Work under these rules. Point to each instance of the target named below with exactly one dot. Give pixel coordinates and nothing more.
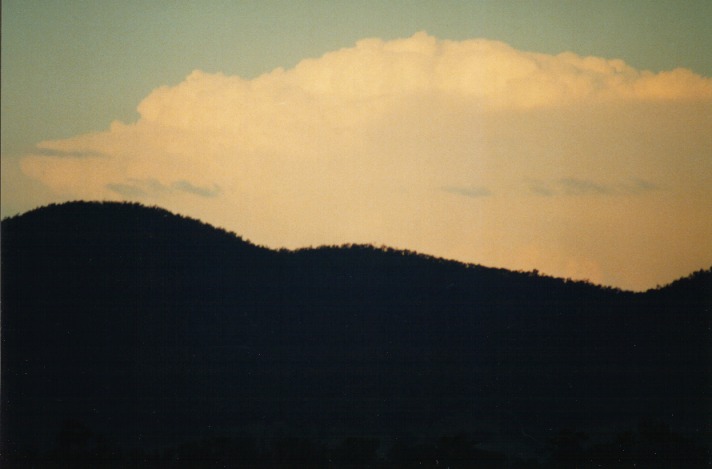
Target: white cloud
(380, 142)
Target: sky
(570, 137)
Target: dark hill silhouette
(151, 330)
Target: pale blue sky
(74, 66)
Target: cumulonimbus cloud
(380, 142)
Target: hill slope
(153, 329)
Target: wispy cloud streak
(473, 192)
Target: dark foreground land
(132, 337)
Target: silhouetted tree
(298, 452)
(356, 451)
(567, 450)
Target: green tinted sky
(74, 66)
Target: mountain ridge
(228, 233)
(156, 329)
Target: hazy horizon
(569, 138)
